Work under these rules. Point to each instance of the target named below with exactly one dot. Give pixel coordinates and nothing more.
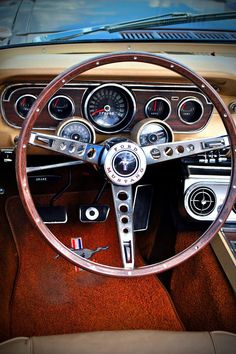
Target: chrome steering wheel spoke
(123, 203)
(82, 151)
(176, 150)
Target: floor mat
(51, 298)
(211, 303)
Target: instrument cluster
(109, 108)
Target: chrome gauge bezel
(124, 123)
(61, 96)
(81, 121)
(161, 99)
(138, 128)
(187, 99)
(18, 99)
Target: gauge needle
(155, 106)
(56, 103)
(98, 111)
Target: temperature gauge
(77, 129)
(23, 105)
(158, 107)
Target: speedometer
(110, 108)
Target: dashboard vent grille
(137, 35)
(202, 201)
(212, 36)
(175, 35)
(178, 35)
(233, 35)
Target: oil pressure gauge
(152, 132)
(77, 129)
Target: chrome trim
(122, 88)
(81, 151)
(155, 99)
(187, 100)
(18, 99)
(125, 230)
(61, 96)
(219, 187)
(228, 228)
(134, 176)
(169, 151)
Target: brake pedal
(53, 214)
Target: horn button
(125, 163)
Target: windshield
(21, 20)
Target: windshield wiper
(162, 20)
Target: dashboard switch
(213, 144)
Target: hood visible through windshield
(44, 16)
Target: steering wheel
(121, 180)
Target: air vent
(137, 35)
(175, 35)
(202, 201)
(233, 35)
(215, 36)
(172, 35)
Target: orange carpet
(51, 298)
(201, 292)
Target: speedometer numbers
(110, 108)
(77, 129)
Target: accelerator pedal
(142, 206)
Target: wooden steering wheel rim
(42, 100)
